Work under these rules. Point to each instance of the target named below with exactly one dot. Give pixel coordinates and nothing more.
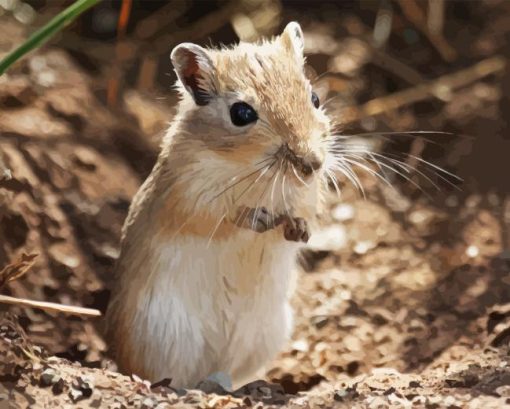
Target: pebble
(472, 251)
(49, 377)
(58, 387)
(300, 345)
(75, 395)
(331, 238)
(362, 247)
(343, 212)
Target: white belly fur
(218, 306)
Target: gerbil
(209, 247)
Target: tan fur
(180, 216)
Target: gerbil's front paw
(259, 219)
(296, 229)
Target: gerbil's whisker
(283, 191)
(272, 188)
(216, 228)
(385, 135)
(251, 186)
(394, 160)
(398, 173)
(297, 176)
(333, 179)
(261, 196)
(255, 182)
(349, 173)
(260, 169)
(372, 172)
(240, 180)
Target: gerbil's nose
(311, 164)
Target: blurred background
(394, 279)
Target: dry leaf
(17, 269)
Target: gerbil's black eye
(315, 100)
(242, 114)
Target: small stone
(343, 212)
(208, 386)
(266, 392)
(85, 385)
(389, 391)
(58, 387)
(300, 345)
(96, 403)
(75, 395)
(148, 403)
(331, 238)
(472, 251)
(340, 395)
(362, 247)
(503, 391)
(414, 384)
(48, 377)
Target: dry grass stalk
(16, 270)
(441, 88)
(50, 306)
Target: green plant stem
(42, 35)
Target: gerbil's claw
(262, 220)
(296, 229)
(259, 219)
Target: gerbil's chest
(221, 282)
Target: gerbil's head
(250, 109)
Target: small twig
(198, 29)
(417, 148)
(149, 27)
(116, 74)
(17, 269)
(50, 306)
(383, 24)
(441, 86)
(416, 16)
(435, 18)
(506, 224)
(395, 66)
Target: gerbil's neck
(179, 195)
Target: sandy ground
(403, 301)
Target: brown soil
(410, 306)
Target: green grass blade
(42, 35)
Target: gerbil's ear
(195, 70)
(293, 39)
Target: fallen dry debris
(29, 377)
(17, 269)
(442, 88)
(50, 306)
(40, 381)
